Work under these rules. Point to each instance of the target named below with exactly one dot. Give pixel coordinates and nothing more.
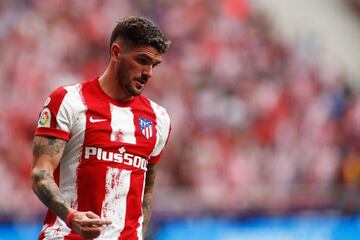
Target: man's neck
(109, 84)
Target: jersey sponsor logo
(119, 157)
(146, 127)
(45, 118)
(93, 120)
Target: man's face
(135, 68)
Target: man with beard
(97, 144)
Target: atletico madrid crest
(146, 127)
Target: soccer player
(97, 144)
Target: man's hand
(88, 224)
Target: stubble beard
(125, 81)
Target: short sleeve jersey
(109, 145)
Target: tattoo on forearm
(48, 192)
(147, 212)
(148, 195)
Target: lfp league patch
(146, 127)
(45, 118)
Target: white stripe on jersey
(162, 127)
(122, 124)
(57, 231)
(72, 153)
(65, 116)
(117, 187)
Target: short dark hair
(140, 31)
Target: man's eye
(143, 61)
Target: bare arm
(148, 195)
(47, 152)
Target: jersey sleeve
(56, 117)
(163, 129)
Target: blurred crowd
(257, 122)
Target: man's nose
(148, 71)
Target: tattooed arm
(148, 195)
(47, 152)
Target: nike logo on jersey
(93, 120)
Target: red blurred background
(259, 124)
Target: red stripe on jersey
(73, 236)
(42, 235)
(56, 99)
(91, 186)
(134, 207)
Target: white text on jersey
(120, 157)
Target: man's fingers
(91, 215)
(95, 222)
(89, 225)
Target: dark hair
(139, 31)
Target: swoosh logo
(93, 120)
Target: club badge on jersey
(146, 127)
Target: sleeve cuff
(43, 131)
(155, 159)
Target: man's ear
(116, 51)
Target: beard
(127, 83)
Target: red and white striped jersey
(109, 145)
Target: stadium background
(266, 123)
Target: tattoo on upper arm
(47, 145)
